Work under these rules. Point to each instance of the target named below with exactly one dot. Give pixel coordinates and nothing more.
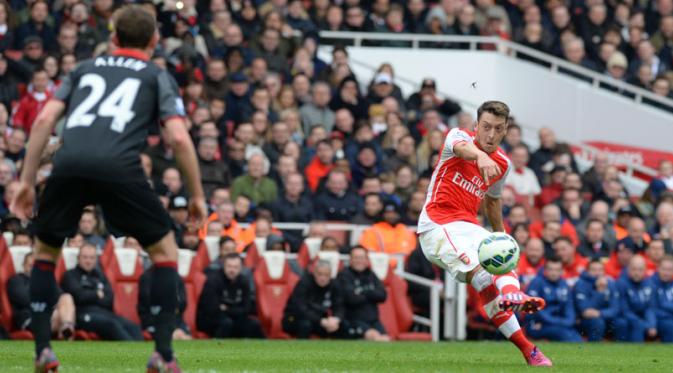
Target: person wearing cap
(318, 112)
(389, 235)
(621, 223)
(446, 107)
(178, 210)
(363, 291)
(382, 86)
(226, 303)
(238, 96)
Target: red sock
(507, 283)
(520, 340)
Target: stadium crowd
(283, 136)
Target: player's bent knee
(165, 250)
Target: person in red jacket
(531, 261)
(33, 101)
(320, 165)
(619, 259)
(573, 263)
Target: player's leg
(133, 209)
(453, 247)
(59, 211)
(224, 328)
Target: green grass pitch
(336, 356)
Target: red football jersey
(457, 188)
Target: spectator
(637, 237)
(540, 159)
(269, 48)
(337, 202)
(663, 299)
(89, 227)
(663, 181)
(181, 332)
(531, 262)
(225, 216)
(593, 245)
(419, 265)
(226, 303)
(637, 303)
(321, 164)
(32, 102)
(371, 212)
(600, 211)
(36, 26)
(573, 263)
(293, 206)
(214, 172)
(555, 322)
(316, 306)
(573, 207)
(362, 293)
(179, 212)
(428, 90)
(318, 112)
(389, 234)
(405, 155)
(552, 214)
(280, 136)
(592, 179)
(523, 179)
(597, 302)
(256, 185)
(93, 298)
(18, 292)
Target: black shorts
(129, 208)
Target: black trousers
(304, 328)
(108, 326)
(239, 327)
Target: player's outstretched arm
(189, 165)
(43, 127)
(469, 152)
(493, 212)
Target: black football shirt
(112, 102)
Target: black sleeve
(420, 295)
(170, 102)
(301, 306)
(378, 293)
(108, 296)
(449, 108)
(65, 89)
(209, 306)
(143, 306)
(338, 309)
(16, 291)
(242, 308)
(352, 297)
(82, 296)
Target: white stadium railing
(507, 48)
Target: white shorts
(453, 247)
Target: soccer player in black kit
(110, 102)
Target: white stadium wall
(578, 112)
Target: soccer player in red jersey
(471, 170)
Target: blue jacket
(560, 310)
(586, 296)
(663, 297)
(637, 300)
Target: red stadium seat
(274, 281)
(14, 254)
(124, 273)
(395, 313)
(332, 257)
(108, 253)
(66, 262)
(5, 240)
(253, 253)
(207, 251)
(308, 251)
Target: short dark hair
(553, 259)
(134, 26)
(225, 239)
(497, 108)
(231, 256)
(563, 239)
(595, 261)
(592, 220)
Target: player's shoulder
(500, 157)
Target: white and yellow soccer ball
(498, 253)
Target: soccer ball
(498, 253)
